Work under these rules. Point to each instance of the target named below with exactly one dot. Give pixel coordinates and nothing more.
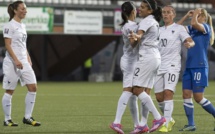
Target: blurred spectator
(86, 69)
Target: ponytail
(212, 30)
(124, 19)
(127, 8)
(10, 11)
(158, 14)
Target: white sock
(29, 104)
(144, 116)
(122, 103)
(146, 100)
(168, 109)
(161, 106)
(133, 105)
(6, 104)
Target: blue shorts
(195, 79)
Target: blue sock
(189, 110)
(206, 104)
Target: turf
(89, 108)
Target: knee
(168, 95)
(187, 94)
(159, 97)
(32, 88)
(198, 98)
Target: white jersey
(150, 38)
(17, 33)
(170, 42)
(128, 51)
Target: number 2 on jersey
(137, 70)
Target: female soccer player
(127, 63)
(172, 36)
(149, 60)
(195, 77)
(17, 64)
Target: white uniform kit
(17, 33)
(129, 58)
(149, 56)
(170, 42)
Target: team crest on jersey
(6, 31)
(173, 31)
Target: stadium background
(58, 54)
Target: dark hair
(127, 8)
(157, 11)
(13, 6)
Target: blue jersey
(197, 55)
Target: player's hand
(132, 35)
(188, 44)
(18, 64)
(190, 13)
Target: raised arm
(186, 16)
(194, 22)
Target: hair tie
(148, 4)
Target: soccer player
(127, 63)
(17, 64)
(171, 38)
(149, 60)
(195, 77)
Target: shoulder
(8, 24)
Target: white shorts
(146, 71)
(12, 75)
(127, 68)
(165, 81)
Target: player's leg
(200, 82)
(159, 94)
(144, 78)
(144, 110)
(121, 106)
(28, 78)
(171, 80)
(133, 105)
(10, 80)
(188, 103)
(127, 70)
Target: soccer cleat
(10, 123)
(117, 128)
(188, 128)
(31, 121)
(157, 124)
(163, 128)
(140, 129)
(170, 125)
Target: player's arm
(194, 21)
(29, 58)
(135, 38)
(185, 17)
(188, 43)
(11, 53)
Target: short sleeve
(145, 24)
(7, 31)
(207, 28)
(183, 33)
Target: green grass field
(89, 108)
